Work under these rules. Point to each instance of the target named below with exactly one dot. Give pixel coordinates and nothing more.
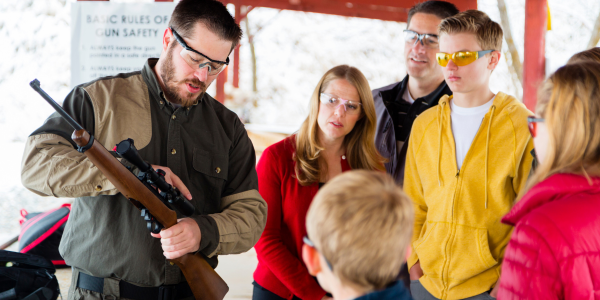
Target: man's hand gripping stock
(185, 236)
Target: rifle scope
(126, 149)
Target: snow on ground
(293, 50)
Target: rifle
(204, 282)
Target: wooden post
(536, 19)
(595, 34)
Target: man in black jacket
(399, 104)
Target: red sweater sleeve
(270, 249)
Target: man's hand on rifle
(174, 180)
(181, 238)
(184, 237)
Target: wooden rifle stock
(205, 283)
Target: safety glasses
(332, 102)
(428, 40)
(312, 245)
(461, 58)
(197, 60)
(532, 123)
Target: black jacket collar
(431, 99)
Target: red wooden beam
(243, 16)
(342, 9)
(534, 61)
(388, 10)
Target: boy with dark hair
(467, 161)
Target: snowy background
(293, 50)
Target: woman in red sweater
(338, 135)
(554, 251)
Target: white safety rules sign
(110, 38)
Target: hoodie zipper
(450, 241)
(445, 268)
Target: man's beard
(167, 73)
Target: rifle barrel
(35, 84)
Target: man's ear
(312, 259)
(166, 39)
(494, 60)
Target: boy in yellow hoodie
(468, 158)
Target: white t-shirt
(465, 124)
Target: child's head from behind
(469, 31)
(592, 54)
(360, 223)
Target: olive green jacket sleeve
(51, 165)
(243, 213)
(241, 222)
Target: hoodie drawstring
(443, 104)
(487, 148)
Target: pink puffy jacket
(554, 251)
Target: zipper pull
(457, 173)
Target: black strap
(131, 291)
(42, 293)
(90, 283)
(9, 295)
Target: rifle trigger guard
(151, 223)
(88, 146)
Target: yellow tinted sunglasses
(461, 58)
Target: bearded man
(202, 146)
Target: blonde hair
(362, 222)
(570, 103)
(592, 54)
(488, 33)
(359, 143)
